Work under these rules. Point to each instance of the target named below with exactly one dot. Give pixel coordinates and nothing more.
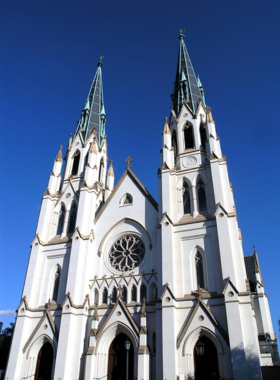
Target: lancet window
(154, 292)
(174, 143)
(186, 198)
(76, 161)
(201, 195)
(96, 296)
(203, 138)
(56, 283)
(143, 292)
(114, 295)
(72, 218)
(134, 294)
(199, 270)
(101, 170)
(124, 294)
(188, 136)
(61, 219)
(126, 199)
(105, 296)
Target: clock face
(126, 253)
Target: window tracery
(199, 270)
(127, 253)
(186, 198)
(56, 283)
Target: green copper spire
(93, 115)
(185, 86)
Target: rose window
(127, 253)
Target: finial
(128, 160)
(254, 247)
(120, 289)
(166, 119)
(166, 129)
(100, 63)
(110, 170)
(59, 154)
(181, 37)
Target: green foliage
(5, 343)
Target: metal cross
(181, 31)
(100, 58)
(128, 160)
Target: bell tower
(200, 239)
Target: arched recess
(203, 136)
(174, 144)
(187, 201)
(126, 199)
(103, 344)
(194, 281)
(189, 345)
(55, 283)
(153, 292)
(61, 219)
(72, 218)
(188, 136)
(76, 161)
(32, 353)
(127, 221)
(101, 170)
(195, 182)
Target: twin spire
(93, 115)
(187, 88)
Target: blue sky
(49, 51)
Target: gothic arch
(127, 221)
(75, 162)
(193, 267)
(188, 135)
(126, 199)
(107, 336)
(55, 282)
(187, 198)
(32, 353)
(189, 345)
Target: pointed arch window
(188, 136)
(199, 270)
(126, 199)
(203, 138)
(76, 161)
(201, 194)
(174, 143)
(61, 219)
(101, 170)
(114, 295)
(72, 218)
(96, 296)
(143, 292)
(56, 283)
(186, 198)
(105, 296)
(134, 294)
(154, 292)
(124, 294)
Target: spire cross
(128, 160)
(100, 63)
(181, 31)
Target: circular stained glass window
(127, 253)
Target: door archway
(44, 363)
(206, 361)
(118, 359)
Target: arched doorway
(44, 363)
(117, 363)
(206, 360)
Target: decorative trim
(128, 172)
(124, 220)
(190, 317)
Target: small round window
(126, 253)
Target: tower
(119, 285)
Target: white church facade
(119, 286)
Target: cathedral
(122, 287)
